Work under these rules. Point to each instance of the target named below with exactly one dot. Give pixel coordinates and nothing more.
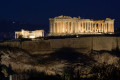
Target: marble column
(105, 28)
(64, 27)
(95, 27)
(61, 26)
(108, 27)
(50, 27)
(85, 26)
(54, 27)
(98, 27)
(79, 27)
(102, 28)
(58, 27)
(71, 27)
(112, 27)
(90, 26)
(75, 27)
(68, 27)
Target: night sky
(39, 11)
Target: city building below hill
(29, 34)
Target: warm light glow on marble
(66, 25)
(29, 34)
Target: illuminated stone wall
(83, 44)
(29, 34)
(65, 25)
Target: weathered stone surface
(66, 25)
(81, 44)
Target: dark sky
(39, 11)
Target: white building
(66, 25)
(29, 34)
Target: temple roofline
(79, 18)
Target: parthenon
(66, 25)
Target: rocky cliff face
(58, 61)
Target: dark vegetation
(97, 72)
(104, 72)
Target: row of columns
(80, 27)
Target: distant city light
(13, 22)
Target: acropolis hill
(75, 43)
(68, 26)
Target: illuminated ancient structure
(29, 34)
(65, 25)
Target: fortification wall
(82, 44)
